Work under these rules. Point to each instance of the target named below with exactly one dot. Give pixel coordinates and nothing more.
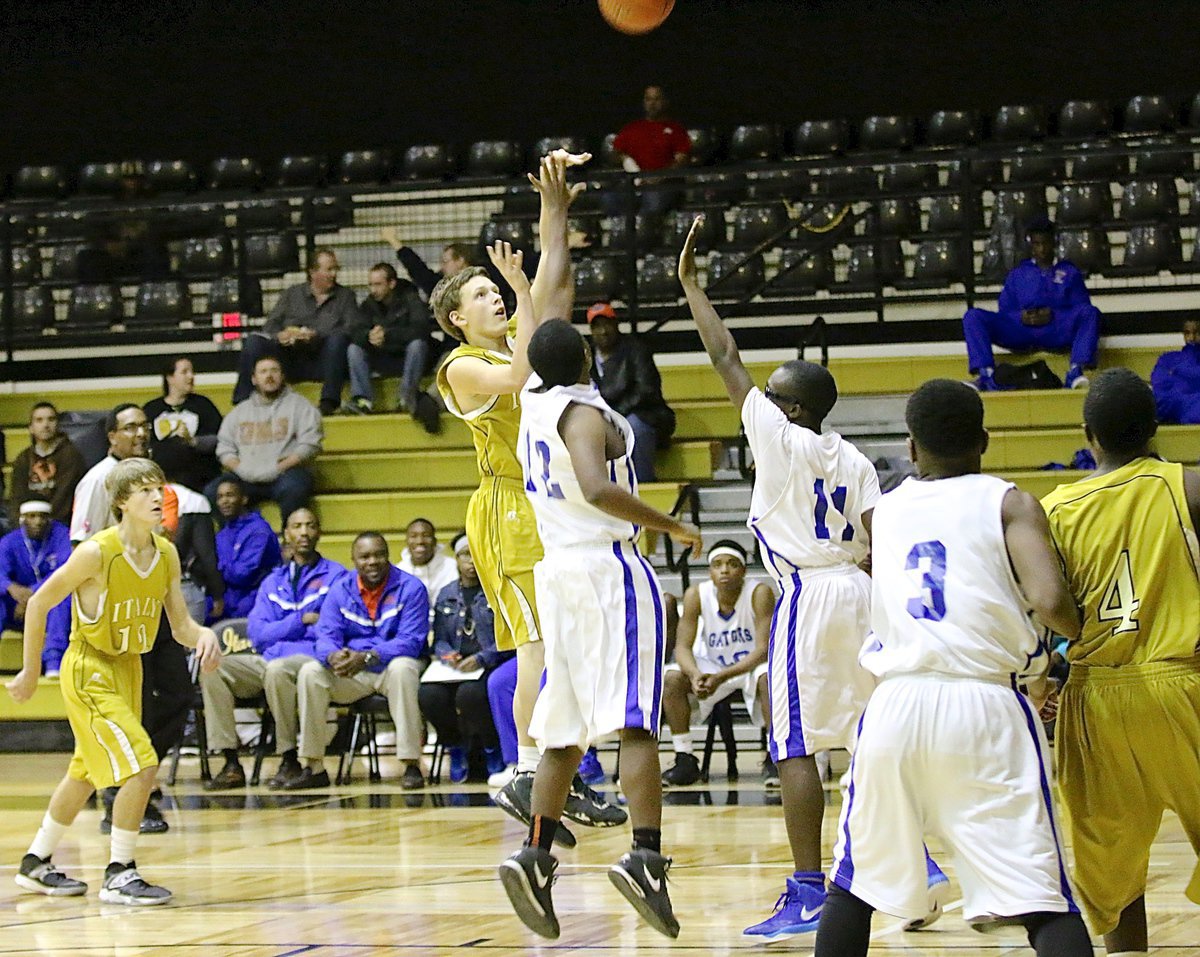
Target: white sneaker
(501, 778)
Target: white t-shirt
(944, 598)
(809, 492)
(91, 511)
(435, 574)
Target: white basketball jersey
(564, 516)
(944, 598)
(809, 492)
(721, 640)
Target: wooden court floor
(367, 870)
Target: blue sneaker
(939, 895)
(495, 760)
(459, 768)
(798, 911)
(590, 770)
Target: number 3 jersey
(809, 492)
(944, 599)
(564, 517)
(131, 600)
(1129, 550)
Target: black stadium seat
(33, 309)
(846, 182)
(330, 212)
(428, 161)
(938, 261)
(517, 232)
(95, 306)
(271, 254)
(365, 167)
(299, 172)
(909, 177)
(706, 145)
(1031, 165)
(740, 281)
(862, 270)
(658, 279)
(982, 171)
(898, 217)
(229, 294)
(39, 182)
(1164, 158)
(26, 266)
(677, 223)
(1148, 114)
(1091, 162)
(1018, 123)
(713, 186)
(886, 133)
(265, 215)
(1151, 249)
(234, 172)
(205, 257)
(820, 138)
(758, 222)
(1081, 119)
(946, 214)
(195, 219)
(598, 279)
(572, 144)
(777, 184)
(162, 303)
(1084, 204)
(952, 128)
(100, 179)
(1023, 205)
(170, 176)
(1086, 248)
(754, 143)
(494, 158)
(64, 262)
(1148, 200)
(63, 224)
(802, 271)
(616, 231)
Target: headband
(34, 505)
(718, 550)
(460, 542)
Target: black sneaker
(770, 774)
(42, 877)
(685, 771)
(641, 877)
(585, 806)
(515, 799)
(152, 821)
(527, 877)
(124, 885)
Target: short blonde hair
(129, 476)
(447, 298)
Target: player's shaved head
(1119, 412)
(945, 418)
(806, 384)
(558, 353)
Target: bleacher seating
(99, 179)
(300, 171)
(240, 172)
(170, 176)
(1083, 118)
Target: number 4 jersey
(810, 492)
(944, 599)
(1129, 550)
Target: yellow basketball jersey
(1129, 548)
(494, 424)
(131, 601)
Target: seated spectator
(623, 368)
(183, 428)
(28, 556)
(720, 649)
(464, 640)
(128, 437)
(455, 258)
(649, 144)
(1044, 305)
(308, 330)
(371, 639)
(1176, 380)
(49, 468)
(423, 557)
(393, 336)
(267, 441)
(247, 548)
(282, 629)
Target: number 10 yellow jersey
(131, 601)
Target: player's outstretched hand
(208, 651)
(551, 181)
(508, 262)
(688, 536)
(22, 686)
(687, 257)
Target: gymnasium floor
(367, 870)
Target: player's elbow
(1053, 606)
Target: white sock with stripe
(47, 837)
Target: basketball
(635, 16)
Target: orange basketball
(635, 16)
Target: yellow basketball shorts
(502, 530)
(1127, 747)
(103, 697)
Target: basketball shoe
(124, 885)
(527, 877)
(798, 910)
(641, 877)
(515, 798)
(42, 877)
(939, 895)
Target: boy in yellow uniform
(121, 579)
(480, 382)
(1128, 734)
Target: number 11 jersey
(810, 492)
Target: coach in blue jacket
(28, 556)
(371, 638)
(247, 548)
(1043, 305)
(282, 632)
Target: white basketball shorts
(747, 684)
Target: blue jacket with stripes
(399, 628)
(275, 625)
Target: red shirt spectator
(654, 142)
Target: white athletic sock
(683, 743)
(123, 844)
(528, 757)
(47, 837)
(1128, 953)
